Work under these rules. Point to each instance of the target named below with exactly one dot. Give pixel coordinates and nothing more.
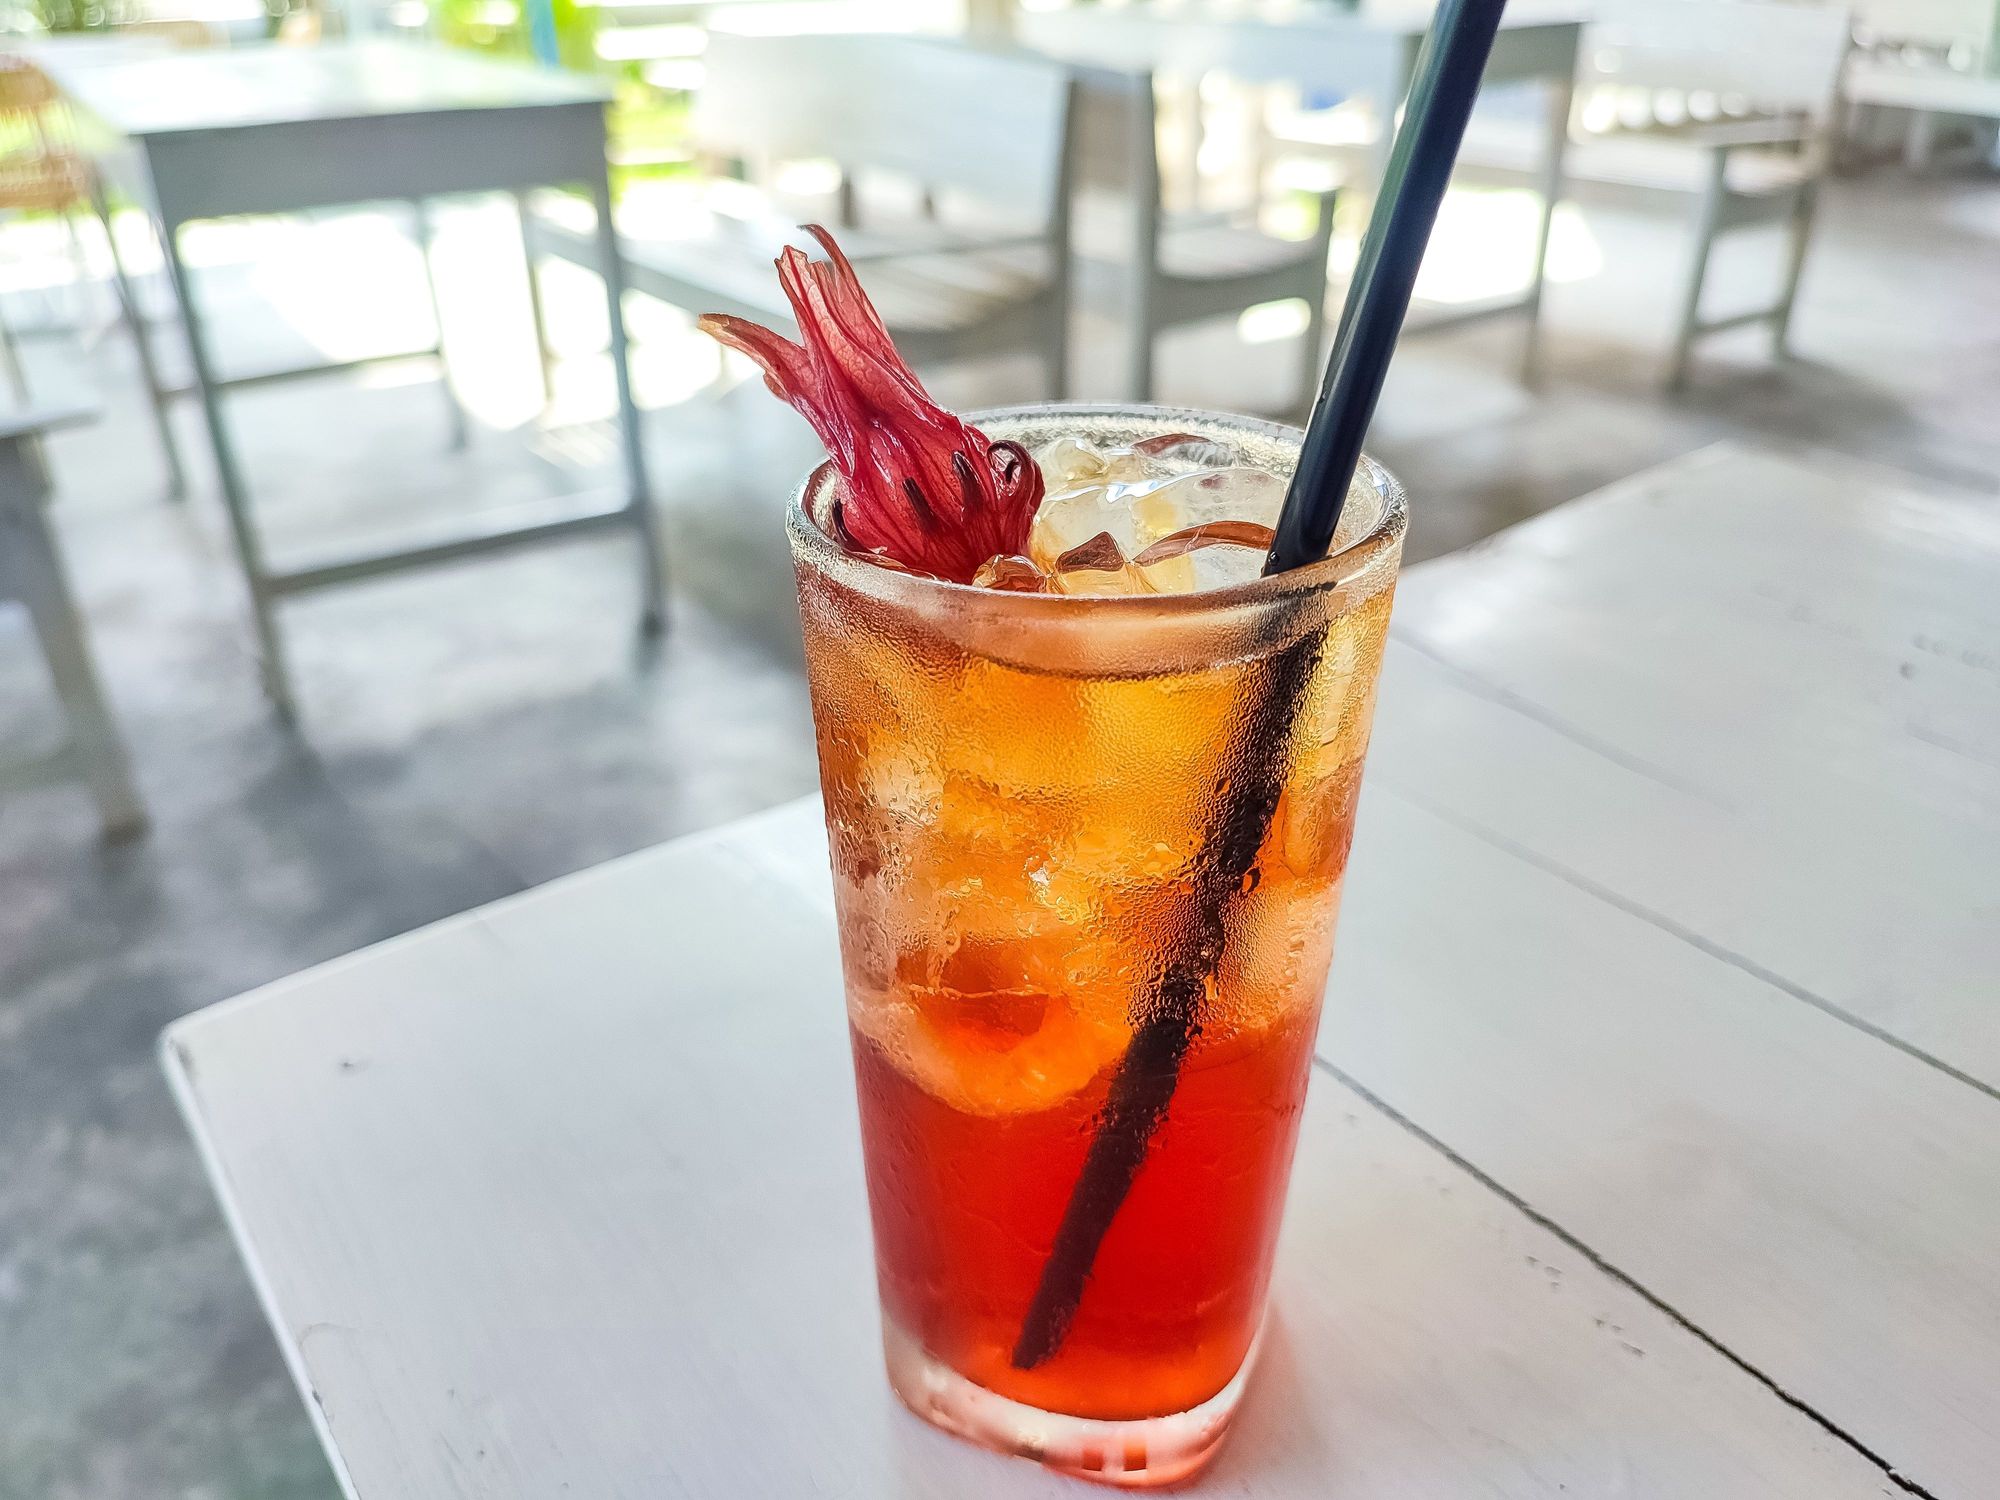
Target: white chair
(1940, 27)
(32, 574)
(1178, 269)
(982, 137)
(1734, 101)
(1930, 60)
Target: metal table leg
(1798, 236)
(1708, 220)
(639, 502)
(40, 583)
(1560, 97)
(10, 355)
(142, 342)
(1920, 141)
(455, 410)
(543, 354)
(235, 494)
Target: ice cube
(1137, 496)
(1098, 567)
(1074, 463)
(1183, 451)
(1237, 493)
(1219, 568)
(1069, 518)
(1166, 506)
(1071, 461)
(1082, 481)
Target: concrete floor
(470, 732)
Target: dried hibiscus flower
(919, 487)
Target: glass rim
(811, 543)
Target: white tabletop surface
(240, 87)
(1655, 1149)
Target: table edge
(177, 1032)
(182, 1085)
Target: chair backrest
(40, 167)
(1115, 165)
(992, 125)
(1779, 57)
(1928, 23)
(1114, 142)
(24, 88)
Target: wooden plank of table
(564, 1197)
(1894, 928)
(1672, 913)
(1758, 697)
(1824, 1206)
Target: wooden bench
(982, 137)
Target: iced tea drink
(1021, 798)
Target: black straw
(1194, 932)
(1257, 757)
(1447, 81)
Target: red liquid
(966, 1206)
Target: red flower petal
(919, 486)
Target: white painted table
(1654, 1153)
(1368, 50)
(279, 129)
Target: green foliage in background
(102, 15)
(649, 126)
(502, 26)
(650, 130)
(87, 15)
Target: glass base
(1142, 1453)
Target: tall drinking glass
(1022, 799)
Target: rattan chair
(42, 170)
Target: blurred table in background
(1367, 52)
(278, 129)
(1655, 1151)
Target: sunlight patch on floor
(1484, 246)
